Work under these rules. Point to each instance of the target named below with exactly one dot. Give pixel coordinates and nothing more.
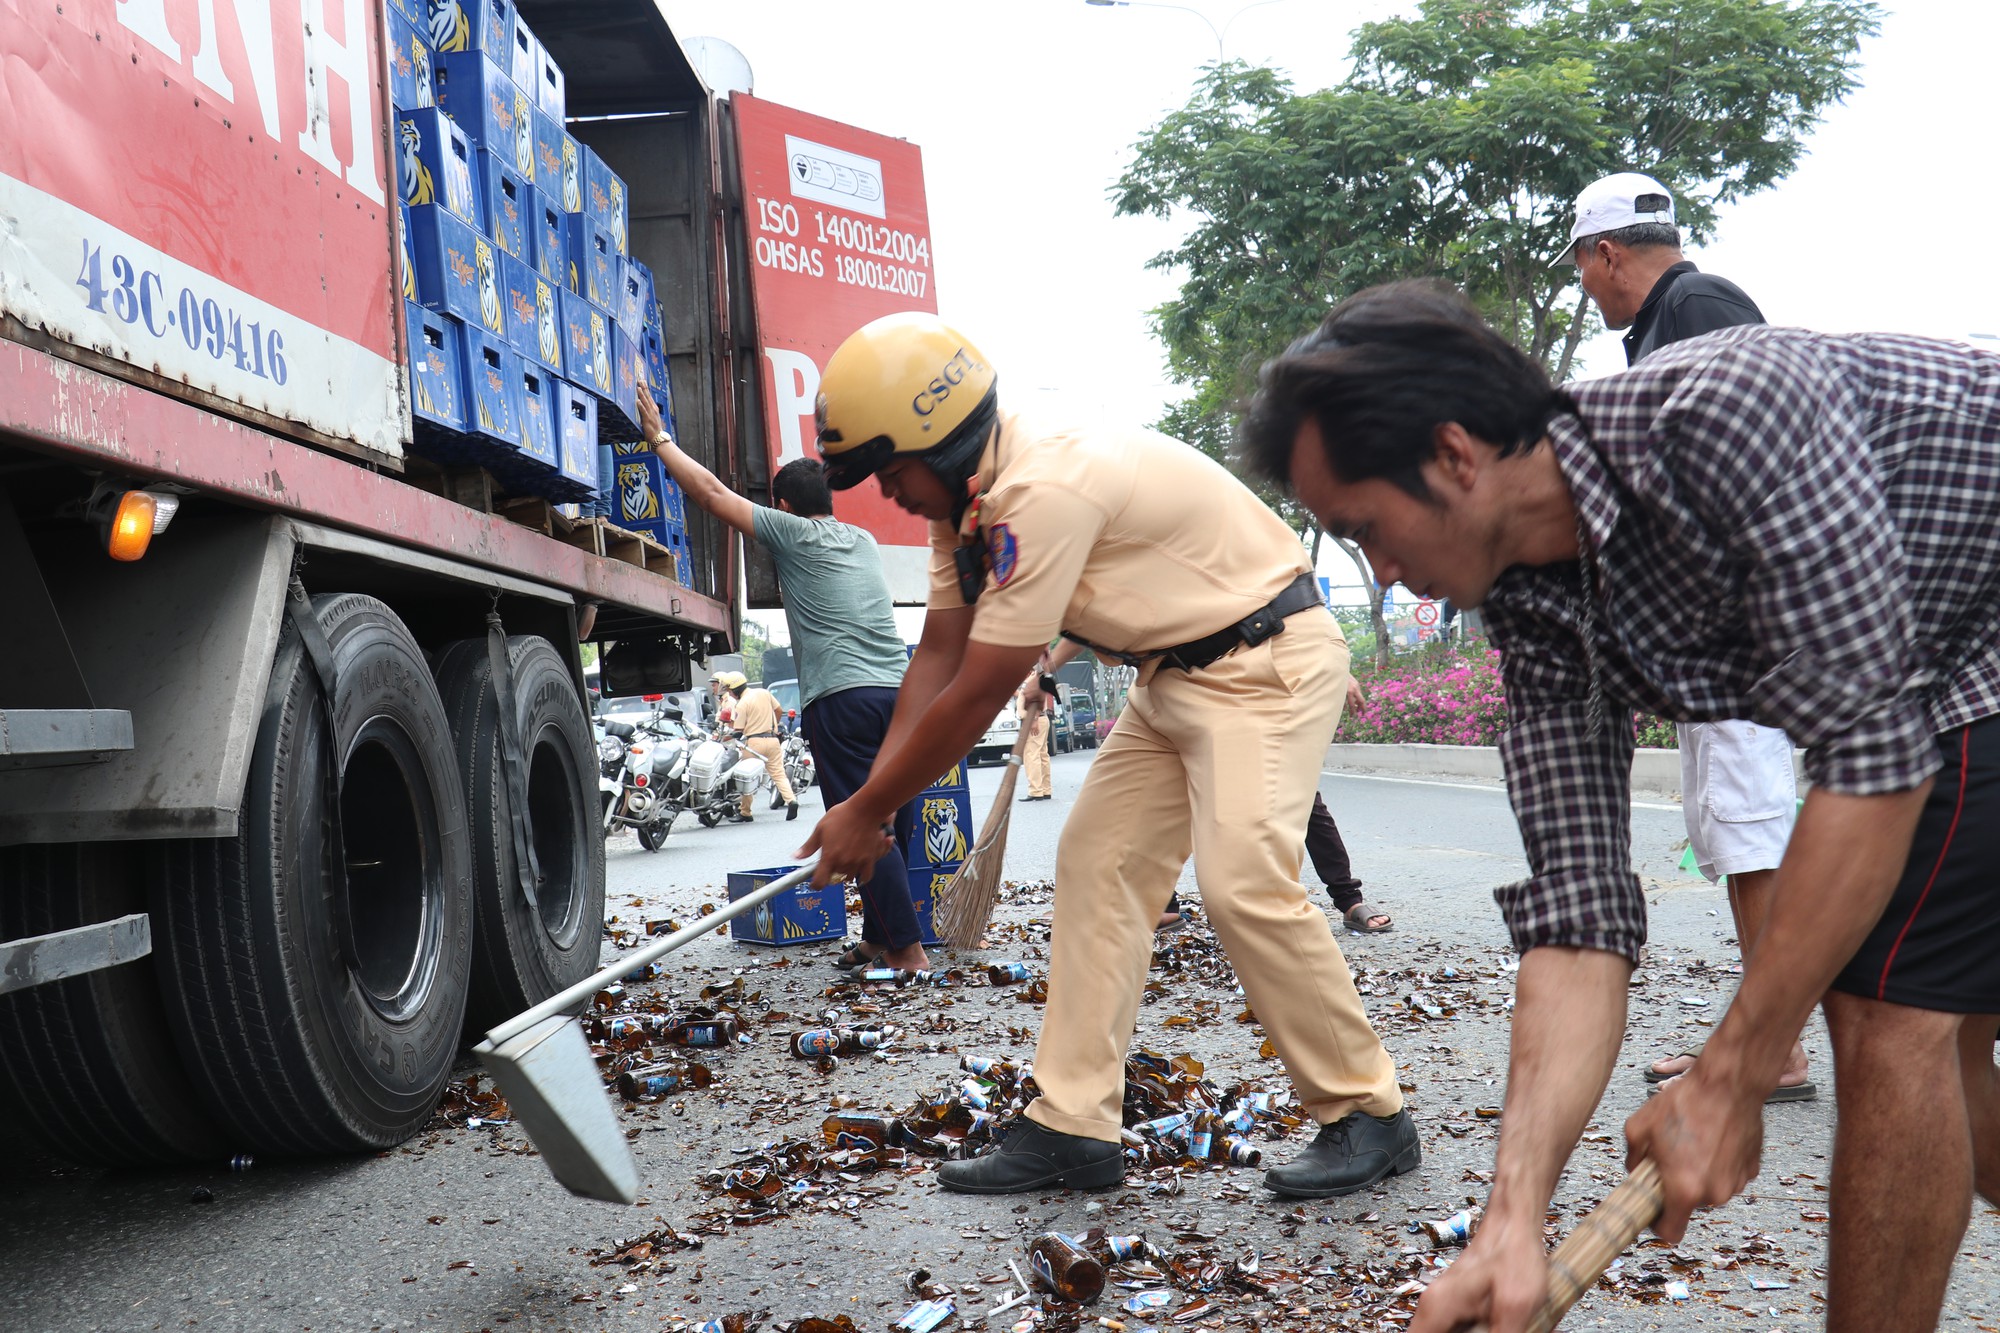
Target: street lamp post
(1221, 34)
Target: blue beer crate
(473, 25)
(407, 262)
(457, 269)
(954, 779)
(437, 391)
(475, 91)
(411, 84)
(539, 444)
(618, 415)
(635, 501)
(525, 57)
(943, 831)
(534, 326)
(604, 201)
(800, 915)
(634, 285)
(926, 882)
(552, 89)
(492, 395)
(593, 263)
(435, 166)
(413, 11)
(551, 243)
(607, 468)
(586, 334)
(504, 195)
(576, 429)
(676, 501)
(549, 136)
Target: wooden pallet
(601, 537)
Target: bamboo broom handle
(1601, 1237)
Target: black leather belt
(761, 736)
(1301, 594)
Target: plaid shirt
(1793, 528)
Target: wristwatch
(664, 437)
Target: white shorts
(1739, 795)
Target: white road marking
(1463, 786)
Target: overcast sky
(1027, 110)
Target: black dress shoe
(1034, 1158)
(1350, 1154)
(791, 811)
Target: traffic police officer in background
(1151, 553)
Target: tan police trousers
(1222, 762)
(772, 751)
(1035, 757)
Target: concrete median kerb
(1655, 773)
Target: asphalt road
(463, 1230)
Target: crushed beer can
(1454, 1230)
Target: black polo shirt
(1686, 303)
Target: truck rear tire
(523, 954)
(88, 1069)
(317, 1003)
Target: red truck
(297, 776)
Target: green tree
(1454, 150)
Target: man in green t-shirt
(850, 656)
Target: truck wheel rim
(555, 824)
(393, 886)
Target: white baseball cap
(1626, 199)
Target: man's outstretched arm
(703, 487)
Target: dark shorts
(1937, 945)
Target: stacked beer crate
(940, 837)
(529, 320)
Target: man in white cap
(1738, 792)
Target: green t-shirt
(836, 602)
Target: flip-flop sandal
(1652, 1075)
(1358, 925)
(1165, 927)
(857, 955)
(1794, 1092)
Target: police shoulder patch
(1003, 554)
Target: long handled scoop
(542, 1063)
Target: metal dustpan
(542, 1063)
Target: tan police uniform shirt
(1126, 538)
(756, 712)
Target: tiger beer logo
(600, 356)
(954, 777)
(943, 839)
(636, 498)
(418, 187)
(618, 215)
(489, 286)
(523, 303)
(572, 183)
(462, 273)
(421, 59)
(524, 135)
(451, 27)
(545, 322)
(409, 269)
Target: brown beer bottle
(1064, 1268)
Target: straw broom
(1598, 1239)
(962, 908)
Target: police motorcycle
(721, 770)
(648, 789)
(798, 761)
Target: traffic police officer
(1149, 552)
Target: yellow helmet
(904, 384)
(732, 680)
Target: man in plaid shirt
(1766, 523)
